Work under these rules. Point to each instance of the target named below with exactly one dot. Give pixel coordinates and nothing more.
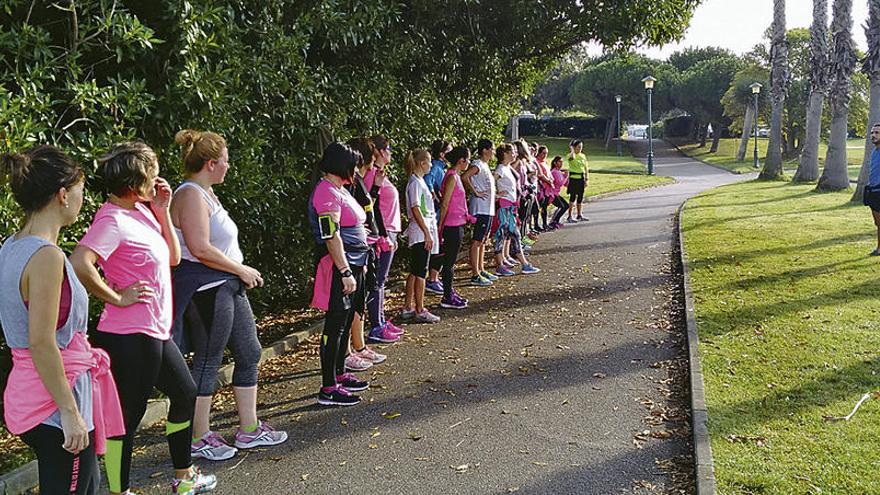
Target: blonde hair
(413, 158)
(129, 167)
(198, 147)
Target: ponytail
(413, 158)
(36, 175)
(198, 147)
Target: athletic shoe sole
(331, 402)
(200, 455)
(452, 306)
(349, 368)
(356, 389)
(382, 340)
(260, 443)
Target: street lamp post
(617, 98)
(649, 87)
(756, 90)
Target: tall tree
(808, 166)
(843, 63)
(700, 90)
(871, 68)
(778, 85)
(739, 103)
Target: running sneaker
(480, 281)
(570, 220)
(196, 483)
(394, 328)
(351, 383)
(337, 396)
(406, 313)
(512, 262)
(354, 362)
(583, 219)
(382, 335)
(503, 271)
(488, 276)
(527, 241)
(370, 355)
(434, 287)
(528, 268)
(456, 295)
(452, 302)
(263, 436)
(426, 317)
(212, 447)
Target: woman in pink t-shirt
(133, 241)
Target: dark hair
(36, 175)
(339, 160)
(438, 147)
(574, 142)
(482, 145)
(556, 159)
(457, 154)
(540, 149)
(380, 142)
(128, 167)
(501, 149)
(365, 147)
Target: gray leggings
(217, 318)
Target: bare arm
(84, 259)
(159, 205)
(466, 180)
(41, 287)
(416, 216)
(447, 198)
(337, 254)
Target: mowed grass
(726, 155)
(608, 172)
(788, 312)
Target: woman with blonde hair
(131, 238)
(210, 298)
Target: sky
(738, 25)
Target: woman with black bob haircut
(337, 222)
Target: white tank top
(223, 231)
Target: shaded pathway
(542, 386)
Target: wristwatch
(347, 273)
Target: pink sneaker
(394, 328)
(370, 355)
(354, 362)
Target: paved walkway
(546, 384)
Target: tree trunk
(873, 118)
(778, 85)
(704, 134)
(610, 132)
(773, 163)
(716, 137)
(808, 166)
(834, 175)
(748, 127)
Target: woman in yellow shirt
(578, 176)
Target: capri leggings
(140, 363)
(507, 231)
(376, 298)
(337, 324)
(217, 318)
(61, 471)
(561, 208)
(576, 188)
(450, 244)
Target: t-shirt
(482, 181)
(418, 196)
(506, 183)
(327, 199)
(874, 178)
(434, 177)
(578, 164)
(130, 248)
(389, 201)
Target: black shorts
(482, 228)
(355, 300)
(576, 188)
(871, 198)
(418, 260)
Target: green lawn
(787, 308)
(726, 155)
(608, 172)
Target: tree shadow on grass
(792, 249)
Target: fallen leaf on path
(391, 415)
(460, 469)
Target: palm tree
(871, 67)
(778, 85)
(843, 63)
(808, 167)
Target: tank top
(14, 257)
(223, 231)
(456, 214)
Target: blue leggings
(376, 297)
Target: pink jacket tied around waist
(33, 404)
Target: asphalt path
(572, 380)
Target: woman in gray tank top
(44, 313)
(210, 298)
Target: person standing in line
(578, 178)
(434, 181)
(60, 397)
(422, 234)
(338, 225)
(132, 239)
(210, 299)
(871, 193)
(453, 217)
(507, 236)
(560, 180)
(479, 181)
(545, 187)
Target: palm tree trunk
(808, 167)
(610, 131)
(834, 175)
(778, 85)
(716, 137)
(871, 67)
(748, 127)
(704, 134)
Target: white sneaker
(212, 447)
(371, 355)
(355, 362)
(263, 436)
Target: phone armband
(327, 226)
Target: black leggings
(450, 244)
(525, 210)
(217, 318)
(61, 471)
(140, 363)
(561, 208)
(337, 324)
